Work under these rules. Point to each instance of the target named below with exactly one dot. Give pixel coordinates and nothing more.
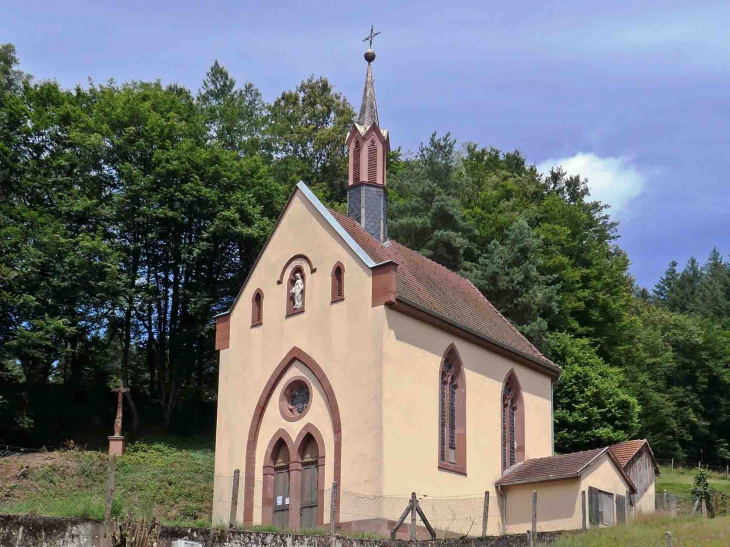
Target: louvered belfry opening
(356, 162)
(338, 282)
(258, 307)
(372, 162)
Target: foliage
(701, 490)
(594, 407)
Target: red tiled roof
(625, 451)
(443, 292)
(551, 468)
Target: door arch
(295, 354)
(309, 497)
(276, 487)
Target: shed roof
(564, 466)
(628, 449)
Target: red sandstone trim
(312, 269)
(257, 317)
(267, 502)
(460, 465)
(222, 332)
(519, 420)
(311, 429)
(283, 402)
(253, 433)
(334, 297)
(385, 289)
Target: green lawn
(679, 481)
(650, 532)
(161, 477)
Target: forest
(131, 213)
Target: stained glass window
(300, 398)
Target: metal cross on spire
(371, 36)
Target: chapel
(348, 358)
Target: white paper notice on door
(278, 500)
(287, 501)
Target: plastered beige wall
(647, 502)
(558, 506)
(343, 338)
(412, 356)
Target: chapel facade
(349, 358)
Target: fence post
(413, 516)
(485, 514)
(504, 513)
(111, 472)
(664, 500)
(668, 537)
(672, 464)
(727, 471)
(234, 499)
(529, 539)
(673, 505)
(534, 512)
(333, 506)
(583, 507)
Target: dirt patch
(19, 474)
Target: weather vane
(371, 36)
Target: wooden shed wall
(640, 470)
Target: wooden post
(534, 512)
(529, 539)
(111, 472)
(333, 507)
(668, 537)
(425, 521)
(673, 506)
(401, 520)
(664, 500)
(504, 513)
(627, 507)
(727, 471)
(485, 515)
(672, 464)
(413, 516)
(583, 508)
(234, 499)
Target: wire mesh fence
(448, 517)
(716, 472)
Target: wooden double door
(308, 489)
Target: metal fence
(716, 472)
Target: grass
(650, 532)
(679, 481)
(157, 477)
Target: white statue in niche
(298, 291)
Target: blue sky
(635, 95)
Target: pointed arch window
(356, 162)
(513, 423)
(452, 413)
(257, 308)
(338, 282)
(372, 161)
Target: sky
(633, 95)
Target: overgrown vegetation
(130, 214)
(155, 478)
(650, 531)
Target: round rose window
(295, 398)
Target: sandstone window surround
(512, 422)
(257, 308)
(452, 413)
(338, 283)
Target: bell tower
(368, 147)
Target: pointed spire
(368, 109)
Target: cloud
(612, 181)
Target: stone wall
(34, 531)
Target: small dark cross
(371, 36)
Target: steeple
(369, 108)
(368, 146)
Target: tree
(307, 128)
(236, 118)
(592, 404)
(664, 290)
(509, 276)
(11, 79)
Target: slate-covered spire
(368, 146)
(369, 108)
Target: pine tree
(664, 290)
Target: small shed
(639, 463)
(574, 491)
